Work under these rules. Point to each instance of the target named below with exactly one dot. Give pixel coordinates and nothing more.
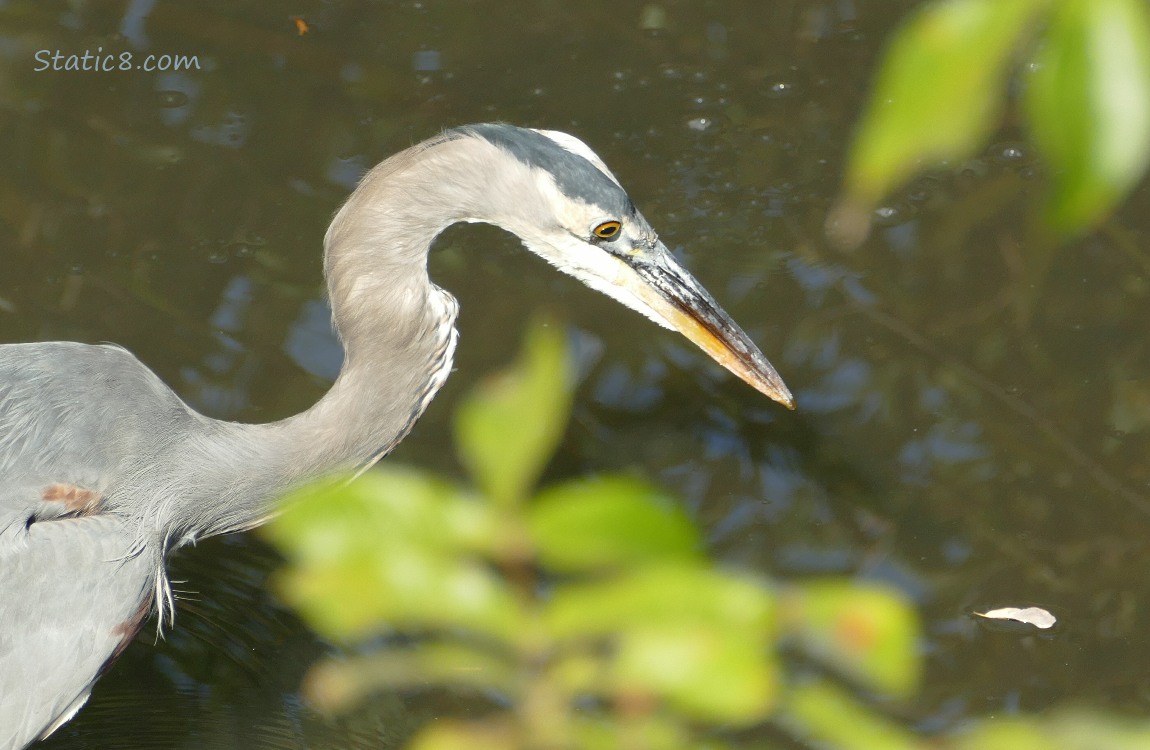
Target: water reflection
(969, 394)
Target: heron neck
(387, 380)
(397, 329)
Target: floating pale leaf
(1035, 616)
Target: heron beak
(675, 296)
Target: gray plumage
(578, 178)
(104, 471)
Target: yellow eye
(608, 230)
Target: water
(973, 401)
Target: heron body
(104, 471)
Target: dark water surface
(974, 403)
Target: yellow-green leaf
(336, 685)
(387, 504)
(509, 426)
(703, 672)
(677, 595)
(1065, 729)
(866, 631)
(497, 733)
(403, 587)
(825, 715)
(396, 548)
(939, 92)
(1009, 733)
(652, 731)
(607, 521)
(1088, 105)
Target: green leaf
(824, 715)
(336, 685)
(404, 587)
(509, 426)
(1079, 728)
(677, 595)
(497, 733)
(607, 521)
(706, 673)
(690, 635)
(394, 548)
(1010, 733)
(649, 731)
(1088, 105)
(1066, 729)
(939, 92)
(390, 503)
(865, 631)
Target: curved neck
(397, 327)
(398, 333)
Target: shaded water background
(973, 402)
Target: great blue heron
(104, 470)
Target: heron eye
(608, 230)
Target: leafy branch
(1082, 69)
(589, 606)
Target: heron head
(568, 208)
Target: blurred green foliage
(1061, 730)
(590, 608)
(1083, 70)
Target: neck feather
(398, 333)
(396, 326)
